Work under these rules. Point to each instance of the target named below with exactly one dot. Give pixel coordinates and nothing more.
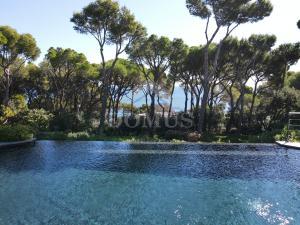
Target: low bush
(39, 119)
(182, 135)
(15, 133)
(59, 136)
(66, 121)
(175, 135)
(78, 136)
(290, 135)
(193, 137)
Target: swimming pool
(91, 183)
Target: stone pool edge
(288, 144)
(7, 145)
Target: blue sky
(48, 22)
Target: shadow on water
(50, 157)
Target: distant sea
(178, 99)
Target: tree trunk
(116, 112)
(161, 106)
(7, 89)
(241, 118)
(6, 96)
(186, 99)
(205, 90)
(252, 104)
(171, 101)
(210, 114)
(202, 109)
(152, 109)
(230, 121)
(104, 98)
(192, 101)
(131, 107)
(232, 111)
(110, 106)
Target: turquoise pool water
(70, 183)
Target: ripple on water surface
(117, 183)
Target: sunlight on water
(269, 213)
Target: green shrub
(175, 134)
(52, 136)
(290, 135)
(193, 137)
(38, 119)
(15, 133)
(78, 136)
(68, 121)
(61, 136)
(182, 136)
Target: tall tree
(283, 57)
(261, 45)
(226, 14)
(246, 59)
(63, 67)
(152, 55)
(177, 66)
(15, 50)
(109, 25)
(125, 79)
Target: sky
(49, 22)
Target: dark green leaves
(198, 8)
(153, 51)
(66, 59)
(228, 12)
(27, 46)
(14, 46)
(107, 22)
(95, 17)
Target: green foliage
(5, 114)
(108, 23)
(282, 58)
(78, 136)
(175, 135)
(227, 12)
(288, 135)
(83, 136)
(277, 105)
(67, 121)
(14, 45)
(15, 133)
(66, 91)
(182, 135)
(38, 119)
(193, 137)
(15, 50)
(57, 135)
(294, 80)
(17, 106)
(265, 137)
(62, 136)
